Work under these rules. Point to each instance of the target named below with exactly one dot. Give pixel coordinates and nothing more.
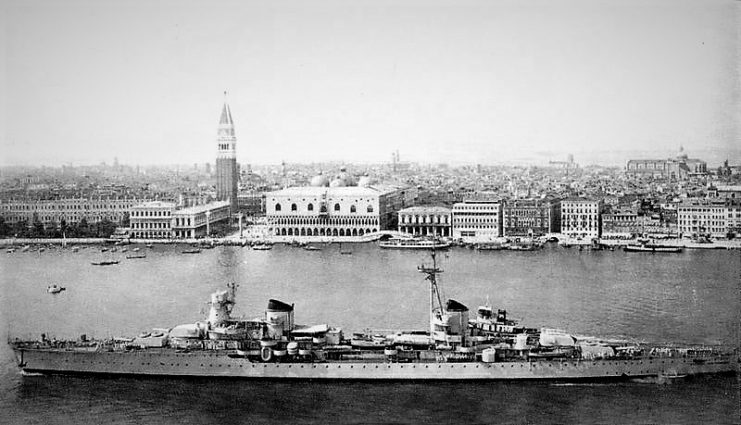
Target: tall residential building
(709, 217)
(528, 217)
(477, 220)
(226, 159)
(581, 218)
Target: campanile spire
(226, 158)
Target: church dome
(320, 180)
(338, 182)
(365, 181)
(345, 179)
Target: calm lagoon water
(690, 297)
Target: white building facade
(151, 220)
(477, 220)
(581, 218)
(709, 217)
(425, 221)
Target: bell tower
(226, 159)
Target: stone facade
(425, 221)
(477, 220)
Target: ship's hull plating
(205, 364)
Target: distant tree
(126, 220)
(105, 228)
(5, 229)
(37, 230)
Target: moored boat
(652, 247)
(105, 263)
(415, 243)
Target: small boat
(75, 249)
(124, 249)
(490, 247)
(192, 251)
(55, 289)
(104, 263)
(10, 250)
(345, 251)
(136, 249)
(132, 257)
(312, 248)
(149, 245)
(262, 247)
(103, 249)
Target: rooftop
(333, 191)
(203, 208)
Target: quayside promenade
(257, 239)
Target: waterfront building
(620, 224)
(708, 217)
(425, 221)
(70, 210)
(151, 220)
(580, 218)
(226, 159)
(679, 168)
(196, 221)
(528, 217)
(477, 220)
(251, 202)
(162, 220)
(334, 207)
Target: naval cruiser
(489, 346)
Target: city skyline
(339, 82)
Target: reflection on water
(688, 297)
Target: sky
(464, 81)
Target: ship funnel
(457, 318)
(279, 317)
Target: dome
(345, 177)
(365, 181)
(338, 182)
(320, 180)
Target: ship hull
(214, 364)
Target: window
(310, 207)
(277, 207)
(353, 209)
(370, 208)
(294, 207)
(336, 207)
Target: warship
(489, 346)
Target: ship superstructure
(489, 346)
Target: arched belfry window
(323, 208)
(294, 207)
(353, 209)
(336, 207)
(277, 207)
(370, 208)
(310, 207)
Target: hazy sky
(485, 81)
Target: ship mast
(432, 273)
